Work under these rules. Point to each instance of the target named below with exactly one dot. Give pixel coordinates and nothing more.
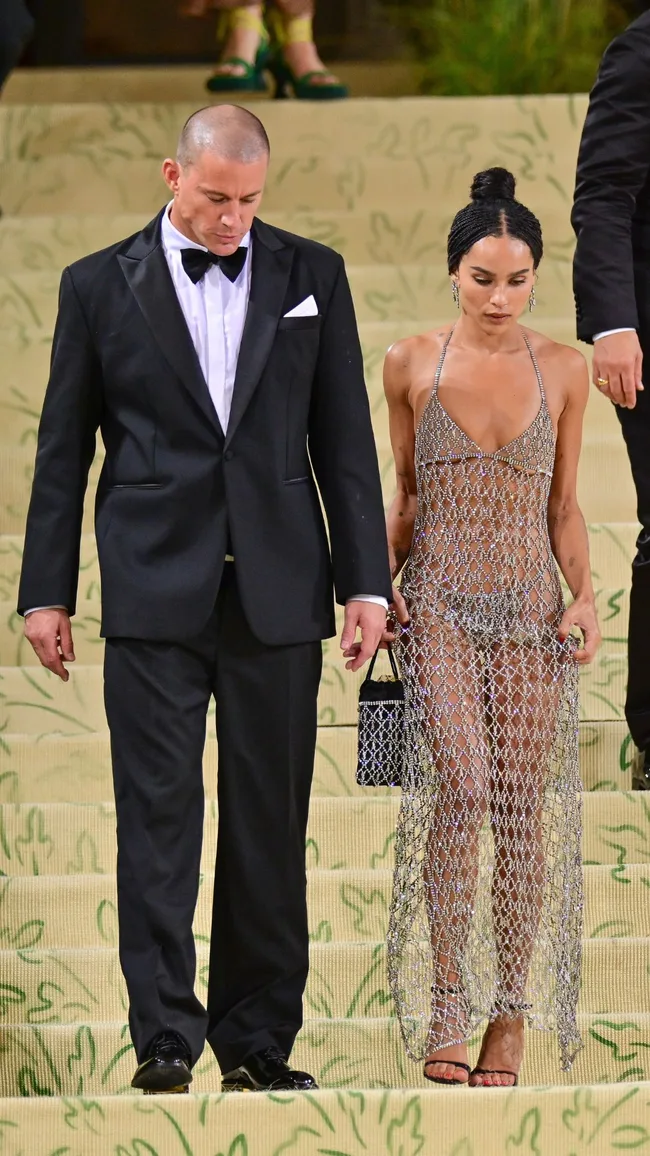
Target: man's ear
(171, 171)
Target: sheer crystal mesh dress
(486, 916)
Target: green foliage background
(492, 47)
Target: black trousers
(635, 424)
(157, 695)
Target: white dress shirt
(215, 311)
(609, 332)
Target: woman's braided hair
(493, 212)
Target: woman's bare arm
(566, 524)
(403, 508)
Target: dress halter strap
(443, 354)
(441, 361)
(538, 371)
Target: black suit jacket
(611, 212)
(172, 486)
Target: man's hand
(50, 635)
(618, 360)
(370, 619)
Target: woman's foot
(296, 65)
(448, 1065)
(302, 58)
(501, 1055)
(242, 42)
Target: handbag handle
(373, 660)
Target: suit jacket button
(228, 455)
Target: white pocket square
(307, 308)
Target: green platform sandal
(298, 31)
(303, 87)
(251, 77)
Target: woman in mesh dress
(486, 424)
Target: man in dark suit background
(220, 358)
(611, 217)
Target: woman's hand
(582, 613)
(397, 610)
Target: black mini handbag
(381, 728)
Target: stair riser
(97, 1059)
(343, 834)
(555, 1120)
(345, 981)
(36, 703)
(376, 128)
(78, 770)
(343, 907)
(98, 183)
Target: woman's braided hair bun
(493, 185)
(493, 211)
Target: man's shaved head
(226, 131)
(218, 177)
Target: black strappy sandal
(513, 1011)
(453, 989)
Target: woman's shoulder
(563, 368)
(565, 359)
(409, 351)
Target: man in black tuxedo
(611, 217)
(220, 358)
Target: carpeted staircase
(378, 180)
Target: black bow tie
(196, 263)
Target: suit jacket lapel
(272, 261)
(145, 267)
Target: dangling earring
(532, 300)
(455, 292)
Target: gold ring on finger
(601, 382)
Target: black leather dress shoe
(267, 1071)
(166, 1068)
